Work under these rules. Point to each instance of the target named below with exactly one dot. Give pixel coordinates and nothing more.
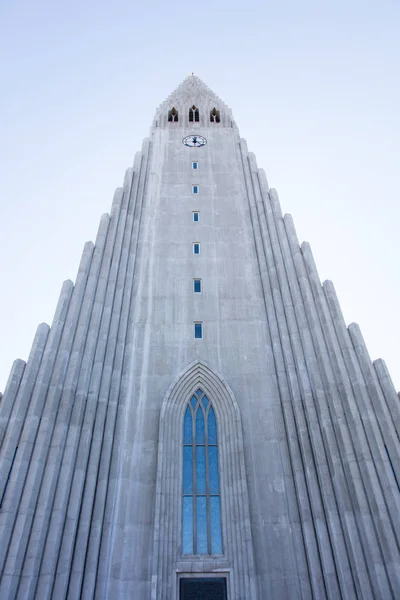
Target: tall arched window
(194, 114)
(214, 116)
(173, 114)
(201, 508)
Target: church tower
(198, 422)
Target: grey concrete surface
(91, 427)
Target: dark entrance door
(203, 588)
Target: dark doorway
(203, 588)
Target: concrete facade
(91, 426)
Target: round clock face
(194, 141)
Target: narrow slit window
(196, 216)
(198, 334)
(197, 286)
(173, 115)
(194, 115)
(196, 189)
(195, 165)
(196, 248)
(214, 116)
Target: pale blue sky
(314, 88)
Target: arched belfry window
(173, 115)
(214, 116)
(194, 114)
(201, 502)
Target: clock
(194, 141)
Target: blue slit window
(196, 189)
(196, 216)
(195, 165)
(197, 285)
(201, 501)
(196, 248)
(198, 330)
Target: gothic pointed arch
(173, 115)
(194, 114)
(215, 116)
(237, 548)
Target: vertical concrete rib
(67, 499)
(17, 417)
(274, 310)
(99, 390)
(339, 390)
(296, 428)
(388, 389)
(314, 462)
(107, 391)
(324, 516)
(103, 543)
(381, 491)
(9, 396)
(39, 421)
(378, 402)
(321, 379)
(68, 424)
(14, 513)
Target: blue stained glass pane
(187, 470)
(187, 525)
(212, 427)
(196, 248)
(215, 522)
(205, 401)
(193, 401)
(201, 523)
(197, 285)
(213, 470)
(187, 427)
(199, 392)
(195, 165)
(200, 438)
(195, 216)
(198, 330)
(200, 470)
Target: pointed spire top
(193, 92)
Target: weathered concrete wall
(318, 423)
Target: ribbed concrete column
(381, 489)
(42, 438)
(340, 391)
(392, 399)
(66, 486)
(365, 438)
(10, 393)
(315, 416)
(277, 510)
(107, 582)
(13, 515)
(378, 404)
(292, 354)
(101, 377)
(109, 391)
(16, 420)
(69, 422)
(314, 464)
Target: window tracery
(201, 502)
(173, 115)
(194, 115)
(214, 116)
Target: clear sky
(314, 87)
